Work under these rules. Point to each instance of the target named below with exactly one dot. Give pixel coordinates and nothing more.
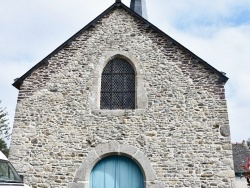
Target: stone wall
(182, 127)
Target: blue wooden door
(116, 172)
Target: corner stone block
(146, 166)
(77, 185)
(88, 163)
(227, 147)
(154, 185)
(109, 148)
(225, 131)
(92, 157)
(128, 150)
(226, 174)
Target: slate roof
(240, 155)
(118, 4)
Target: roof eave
(223, 78)
(17, 84)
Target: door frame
(81, 179)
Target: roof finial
(139, 6)
(118, 1)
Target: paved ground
(241, 183)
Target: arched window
(116, 172)
(118, 85)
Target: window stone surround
(114, 148)
(141, 100)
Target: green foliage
(4, 131)
(4, 148)
(4, 124)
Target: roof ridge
(18, 82)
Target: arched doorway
(116, 172)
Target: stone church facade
(177, 132)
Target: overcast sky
(218, 31)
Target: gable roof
(18, 82)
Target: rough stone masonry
(178, 133)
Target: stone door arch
(81, 179)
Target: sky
(218, 31)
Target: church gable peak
(117, 5)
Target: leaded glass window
(118, 85)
